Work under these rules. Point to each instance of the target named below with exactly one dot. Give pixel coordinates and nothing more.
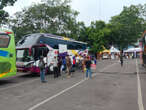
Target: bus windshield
(4, 41)
(36, 52)
(39, 51)
(23, 55)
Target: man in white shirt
(55, 67)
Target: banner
(62, 48)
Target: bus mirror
(9, 32)
(11, 55)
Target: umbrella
(106, 51)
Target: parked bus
(32, 46)
(7, 54)
(143, 46)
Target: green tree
(82, 32)
(3, 14)
(127, 26)
(97, 36)
(4, 3)
(53, 16)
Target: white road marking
(140, 101)
(65, 90)
(54, 96)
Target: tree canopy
(53, 16)
(57, 17)
(127, 26)
(4, 3)
(4, 14)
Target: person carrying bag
(42, 69)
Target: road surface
(112, 88)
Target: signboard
(50, 57)
(62, 48)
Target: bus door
(39, 51)
(36, 52)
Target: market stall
(133, 52)
(114, 52)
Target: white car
(105, 56)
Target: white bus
(32, 46)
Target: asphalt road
(112, 88)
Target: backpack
(41, 64)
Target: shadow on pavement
(134, 73)
(29, 75)
(5, 82)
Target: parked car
(105, 56)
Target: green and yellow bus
(7, 54)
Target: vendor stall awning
(138, 49)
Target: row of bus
(25, 56)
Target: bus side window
(71, 47)
(55, 46)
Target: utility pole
(99, 8)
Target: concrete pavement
(113, 88)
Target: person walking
(68, 65)
(83, 64)
(42, 69)
(88, 67)
(121, 58)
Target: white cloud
(19, 5)
(91, 10)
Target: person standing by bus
(88, 67)
(59, 64)
(68, 65)
(42, 69)
(74, 63)
(55, 67)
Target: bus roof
(31, 39)
(63, 38)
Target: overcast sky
(90, 10)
